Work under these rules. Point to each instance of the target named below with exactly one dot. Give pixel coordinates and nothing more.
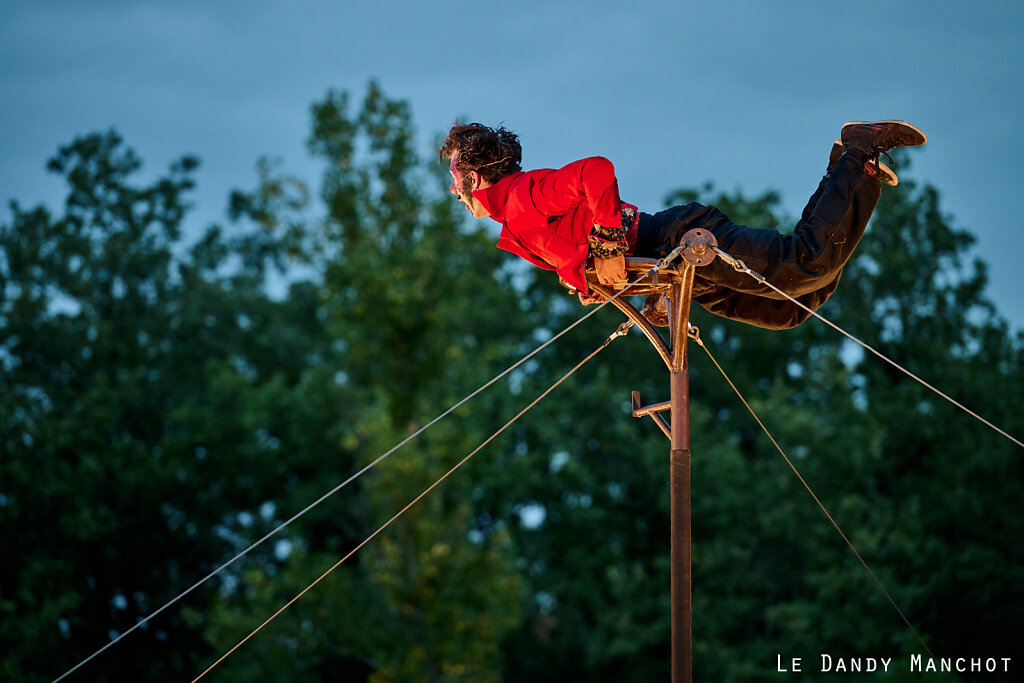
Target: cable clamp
(622, 330)
(671, 257)
(732, 261)
(740, 266)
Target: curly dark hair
(495, 153)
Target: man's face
(462, 187)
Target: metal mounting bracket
(652, 411)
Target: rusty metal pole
(679, 480)
(697, 252)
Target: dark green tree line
(165, 403)
(147, 389)
(415, 305)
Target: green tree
(149, 390)
(81, 333)
(419, 313)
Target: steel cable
(619, 332)
(665, 261)
(695, 335)
(741, 267)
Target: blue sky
(748, 95)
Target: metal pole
(679, 481)
(697, 252)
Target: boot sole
(885, 174)
(924, 138)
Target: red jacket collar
(493, 198)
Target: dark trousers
(806, 265)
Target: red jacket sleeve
(590, 180)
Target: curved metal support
(643, 323)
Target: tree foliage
(167, 402)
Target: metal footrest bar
(652, 411)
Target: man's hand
(610, 271)
(585, 299)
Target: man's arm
(591, 181)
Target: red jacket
(546, 215)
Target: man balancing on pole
(561, 219)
